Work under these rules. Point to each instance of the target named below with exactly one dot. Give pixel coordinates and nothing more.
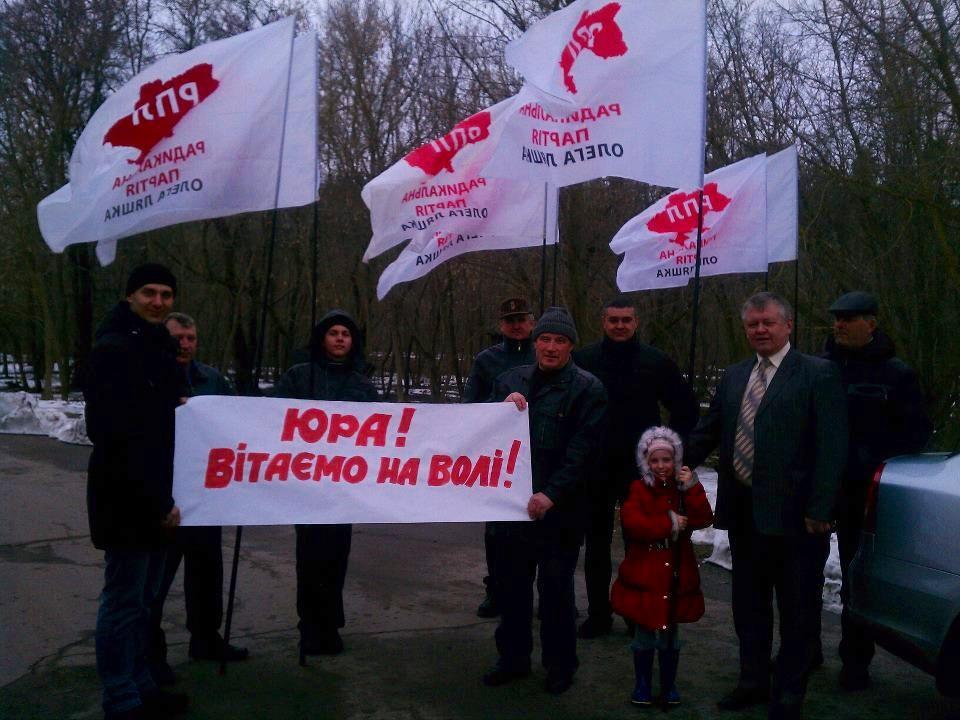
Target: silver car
(905, 579)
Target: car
(905, 578)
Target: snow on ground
(721, 546)
(22, 413)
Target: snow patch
(24, 414)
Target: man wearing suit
(780, 420)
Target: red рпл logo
(161, 106)
(438, 154)
(597, 32)
(679, 217)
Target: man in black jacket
(516, 348)
(566, 407)
(640, 380)
(132, 388)
(886, 417)
(337, 371)
(199, 547)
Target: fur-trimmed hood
(649, 437)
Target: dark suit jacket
(800, 437)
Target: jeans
(131, 583)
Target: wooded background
(868, 89)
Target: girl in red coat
(665, 505)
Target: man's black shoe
(501, 676)
(740, 698)
(488, 608)
(793, 711)
(212, 647)
(594, 627)
(162, 673)
(853, 679)
(557, 684)
(164, 702)
(326, 643)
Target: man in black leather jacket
(566, 406)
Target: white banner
(612, 88)
(782, 211)
(661, 242)
(436, 198)
(274, 461)
(194, 136)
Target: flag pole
(258, 358)
(543, 250)
(694, 320)
(556, 247)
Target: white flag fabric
(612, 88)
(274, 461)
(660, 244)
(437, 200)
(782, 211)
(194, 136)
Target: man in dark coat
(337, 371)
(132, 387)
(640, 380)
(516, 348)
(566, 407)
(887, 418)
(780, 420)
(199, 547)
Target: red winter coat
(641, 592)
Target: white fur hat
(658, 438)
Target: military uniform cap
(855, 303)
(513, 306)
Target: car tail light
(870, 508)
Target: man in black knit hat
(132, 388)
(566, 407)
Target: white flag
(612, 88)
(437, 201)
(661, 242)
(194, 136)
(782, 205)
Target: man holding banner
(336, 371)
(131, 389)
(566, 406)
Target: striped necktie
(743, 446)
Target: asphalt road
(415, 649)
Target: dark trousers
(490, 551)
(200, 550)
(597, 567)
(529, 552)
(856, 642)
(322, 555)
(792, 566)
(130, 586)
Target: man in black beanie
(131, 389)
(566, 406)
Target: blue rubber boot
(669, 659)
(642, 694)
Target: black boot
(643, 673)
(669, 659)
